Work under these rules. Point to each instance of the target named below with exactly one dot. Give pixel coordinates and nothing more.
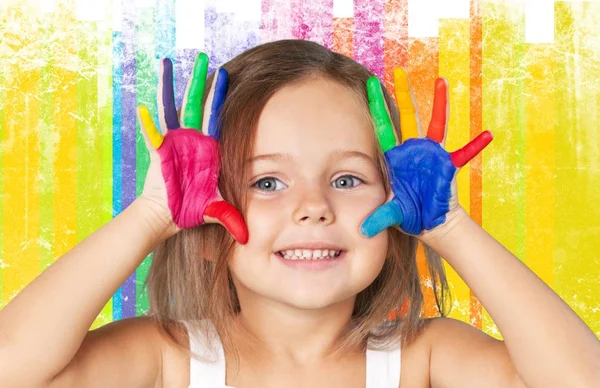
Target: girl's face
(313, 180)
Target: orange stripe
(476, 123)
(396, 40)
(429, 308)
(343, 37)
(423, 69)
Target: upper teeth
(297, 254)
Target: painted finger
(410, 128)
(167, 112)
(215, 99)
(192, 101)
(149, 130)
(385, 216)
(439, 114)
(380, 115)
(228, 216)
(464, 155)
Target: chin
(311, 298)
(309, 301)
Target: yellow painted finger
(409, 124)
(156, 138)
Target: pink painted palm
(189, 158)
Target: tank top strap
(210, 374)
(383, 368)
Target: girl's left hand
(421, 172)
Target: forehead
(317, 113)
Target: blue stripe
(117, 123)
(129, 155)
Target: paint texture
(72, 155)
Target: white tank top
(383, 367)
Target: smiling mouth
(309, 254)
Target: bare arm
(43, 327)
(548, 344)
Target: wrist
(447, 230)
(157, 218)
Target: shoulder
(463, 356)
(167, 344)
(164, 346)
(176, 361)
(135, 342)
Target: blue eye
(269, 184)
(346, 182)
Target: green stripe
(91, 176)
(147, 83)
(104, 136)
(89, 173)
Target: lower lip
(312, 265)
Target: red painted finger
(437, 125)
(230, 218)
(464, 155)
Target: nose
(314, 208)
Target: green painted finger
(383, 124)
(192, 113)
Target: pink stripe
(276, 20)
(368, 34)
(313, 20)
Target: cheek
(260, 217)
(263, 225)
(353, 209)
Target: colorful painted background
(72, 158)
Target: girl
(297, 292)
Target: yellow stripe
(65, 128)
(576, 137)
(503, 25)
(539, 143)
(454, 65)
(21, 160)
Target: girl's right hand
(184, 161)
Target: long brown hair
(189, 279)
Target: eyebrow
(275, 157)
(344, 154)
(337, 154)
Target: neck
(288, 334)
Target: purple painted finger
(168, 95)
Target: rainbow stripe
(72, 156)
